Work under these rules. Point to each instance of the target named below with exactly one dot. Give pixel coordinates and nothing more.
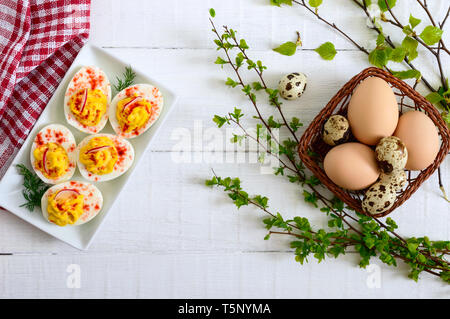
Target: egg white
(48, 136)
(83, 188)
(122, 165)
(82, 83)
(149, 92)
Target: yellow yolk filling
(98, 159)
(135, 115)
(94, 108)
(65, 210)
(56, 160)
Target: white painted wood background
(170, 236)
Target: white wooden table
(169, 235)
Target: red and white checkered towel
(39, 39)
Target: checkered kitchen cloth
(39, 39)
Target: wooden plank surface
(169, 235)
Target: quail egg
(396, 179)
(391, 154)
(292, 85)
(336, 130)
(379, 198)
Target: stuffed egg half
(71, 203)
(134, 109)
(87, 100)
(53, 154)
(103, 157)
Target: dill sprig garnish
(127, 79)
(34, 188)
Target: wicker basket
(312, 149)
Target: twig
(441, 25)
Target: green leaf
(243, 45)
(310, 198)
(410, 45)
(278, 3)
(431, 35)
(272, 123)
(237, 139)
(237, 114)
(219, 120)
(220, 61)
(408, 30)
(326, 51)
(257, 86)
(434, 97)
(445, 275)
(378, 57)
(313, 180)
(412, 247)
(295, 124)
(391, 223)
(212, 13)
(231, 82)
(287, 48)
(239, 60)
(380, 39)
(398, 54)
(413, 21)
(421, 258)
(261, 200)
(382, 4)
(409, 74)
(315, 3)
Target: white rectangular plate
(11, 184)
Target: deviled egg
(103, 157)
(87, 100)
(71, 203)
(134, 109)
(53, 154)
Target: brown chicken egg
(351, 166)
(372, 111)
(421, 138)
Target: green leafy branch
(370, 241)
(367, 235)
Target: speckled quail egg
(396, 179)
(336, 130)
(379, 198)
(391, 154)
(292, 85)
